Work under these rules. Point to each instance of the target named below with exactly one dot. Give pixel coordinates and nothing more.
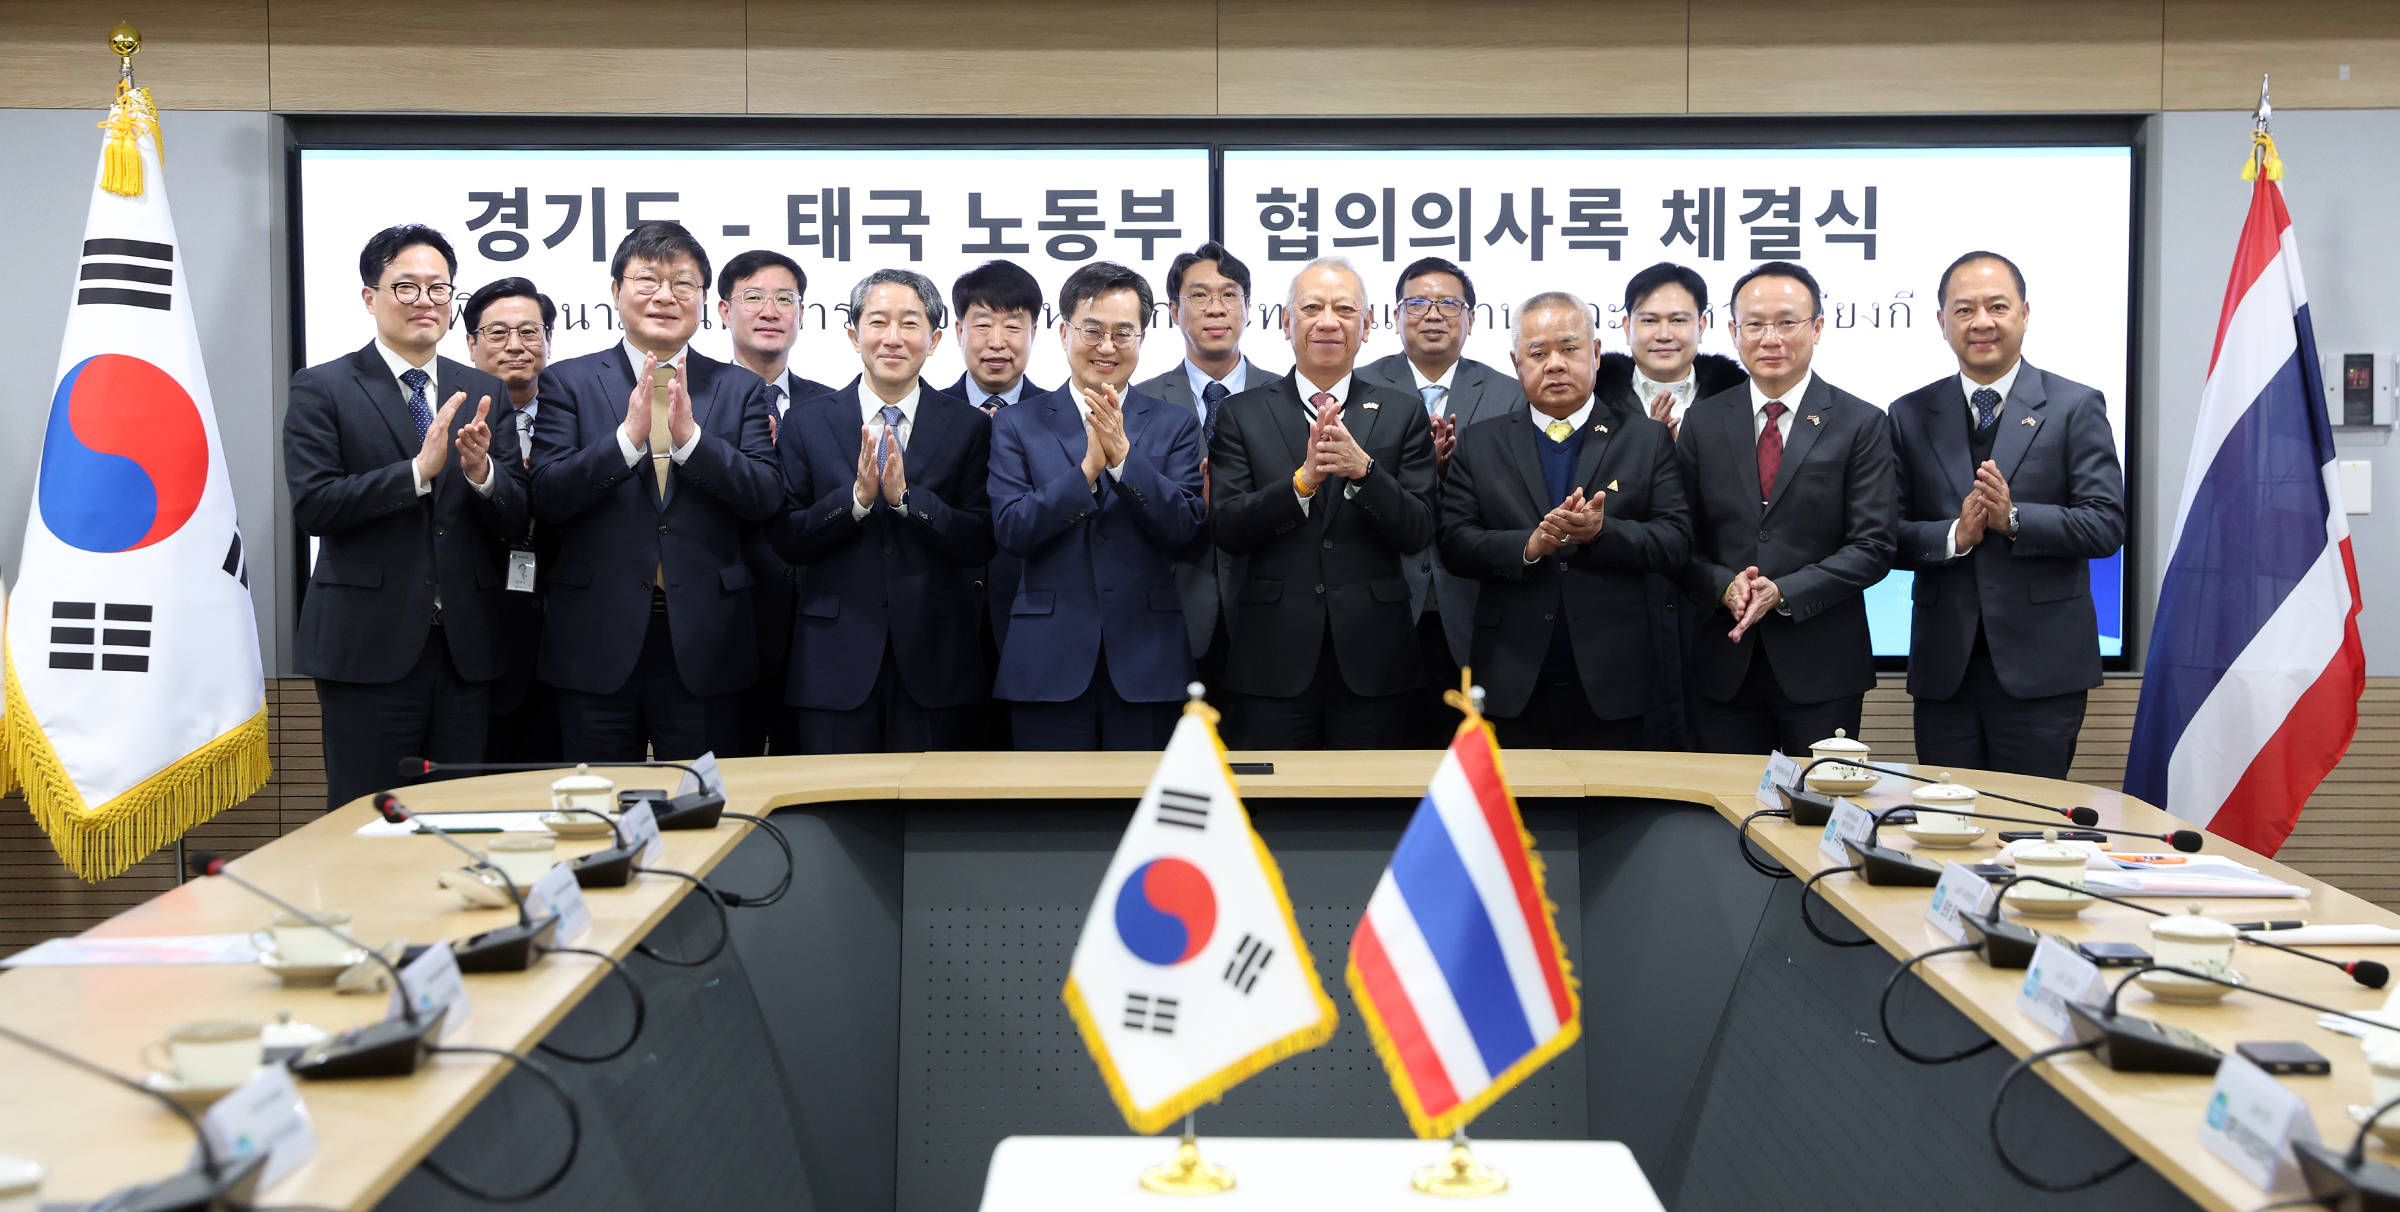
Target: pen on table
(2268, 925)
(477, 829)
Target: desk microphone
(1883, 866)
(691, 810)
(2348, 1181)
(214, 1185)
(391, 1048)
(508, 949)
(2086, 817)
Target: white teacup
(523, 857)
(302, 944)
(208, 1055)
(1940, 822)
(21, 1184)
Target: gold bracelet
(1299, 487)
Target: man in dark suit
(1321, 483)
(400, 624)
(1562, 510)
(648, 477)
(1666, 318)
(1794, 497)
(760, 297)
(508, 325)
(1434, 304)
(889, 517)
(1208, 296)
(2009, 488)
(1094, 488)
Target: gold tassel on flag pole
(131, 116)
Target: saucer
(367, 976)
(2184, 991)
(1826, 786)
(2387, 1130)
(309, 974)
(2068, 905)
(1945, 839)
(475, 888)
(575, 825)
(193, 1098)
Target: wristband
(1299, 487)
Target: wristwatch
(2012, 521)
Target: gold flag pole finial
(2262, 161)
(132, 115)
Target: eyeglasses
(754, 299)
(498, 334)
(408, 293)
(1201, 299)
(1096, 336)
(645, 286)
(1448, 308)
(1756, 329)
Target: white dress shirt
(433, 402)
(1646, 389)
(633, 455)
(1448, 383)
(2004, 384)
(976, 395)
(1791, 410)
(870, 412)
(1341, 395)
(1235, 380)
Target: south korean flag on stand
(1191, 974)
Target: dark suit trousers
(529, 731)
(889, 721)
(1761, 718)
(653, 715)
(1097, 719)
(1327, 715)
(768, 727)
(1437, 720)
(1560, 716)
(1983, 728)
(429, 712)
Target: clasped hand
(1576, 520)
(1985, 508)
(890, 481)
(1332, 451)
(1104, 442)
(474, 442)
(680, 426)
(1750, 597)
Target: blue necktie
(418, 408)
(1433, 393)
(1211, 396)
(891, 418)
(1987, 407)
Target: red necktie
(1770, 449)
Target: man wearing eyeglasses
(1208, 294)
(1794, 498)
(1323, 483)
(508, 325)
(650, 638)
(1434, 308)
(888, 516)
(759, 297)
(1094, 487)
(410, 492)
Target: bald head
(1556, 358)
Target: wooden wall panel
(197, 54)
(524, 56)
(965, 57)
(1416, 57)
(1908, 56)
(2215, 50)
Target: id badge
(520, 572)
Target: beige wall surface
(1212, 56)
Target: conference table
(866, 1042)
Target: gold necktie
(1559, 430)
(661, 453)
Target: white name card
(1960, 892)
(1780, 769)
(2058, 976)
(557, 892)
(432, 982)
(2252, 1120)
(1848, 821)
(264, 1116)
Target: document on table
(2179, 875)
(136, 952)
(460, 822)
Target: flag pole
(1187, 1174)
(1459, 1176)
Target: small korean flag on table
(1457, 965)
(1191, 974)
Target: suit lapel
(1065, 422)
(1528, 460)
(375, 378)
(1289, 422)
(930, 431)
(1598, 429)
(1741, 447)
(844, 425)
(1947, 427)
(1358, 415)
(1808, 420)
(2020, 421)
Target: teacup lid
(2052, 852)
(2385, 1061)
(20, 1176)
(2193, 926)
(285, 1033)
(1837, 744)
(523, 842)
(1943, 793)
(584, 780)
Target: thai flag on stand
(1457, 966)
(2251, 692)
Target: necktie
(661, 454)
(1211, 396)
(1987, 407)
(1558, 431)
(1770, 449)
(774, 411)
(1434, 393)
(891, 420)
(1317, 403)
(992, 405)
(419, 409)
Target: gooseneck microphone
(2188, 841)
(2372, 974)
(2348, 1180)
(1883, 866)
(508, 949)
(391, 1048)
(212, 1185)
(2086, 817)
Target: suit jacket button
(1425, 567)
(1099, 538)
(439, 532)
(887, 549)
(1766, 536)
(662, 529)
(1548, 617)
(1320, 589)
(1329, 544)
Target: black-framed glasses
(1757, 329)
(1096, 336)
(410, 293)
(1447, 308)
(498, 334)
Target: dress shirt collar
(1575, 420)
(2004, 384)
(1791, 399)
(1646, 389)
(1235, 380)
(400, 366)
(1015, 394)
(870, 405)
(633, 357)
(1340, 391)
(1448, 382)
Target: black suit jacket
(997, 581)
(2032, 594)
(1493, 498)
(348, 443)
(1203, 577)
(1339, 563)
(777, 582)
(905, 579)
(1824, 535)
(614, 532)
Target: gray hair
(1554, 300)
(1291, 296)
(937, 313)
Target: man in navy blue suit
(888, 518)
(1094, 487)
(650, 639)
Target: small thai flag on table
(1457, 965)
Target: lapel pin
(1812, 419)
(1612, 486)
(2029, 421)
(1598, 428)
(1372, 406)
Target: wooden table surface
(95, 1137)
